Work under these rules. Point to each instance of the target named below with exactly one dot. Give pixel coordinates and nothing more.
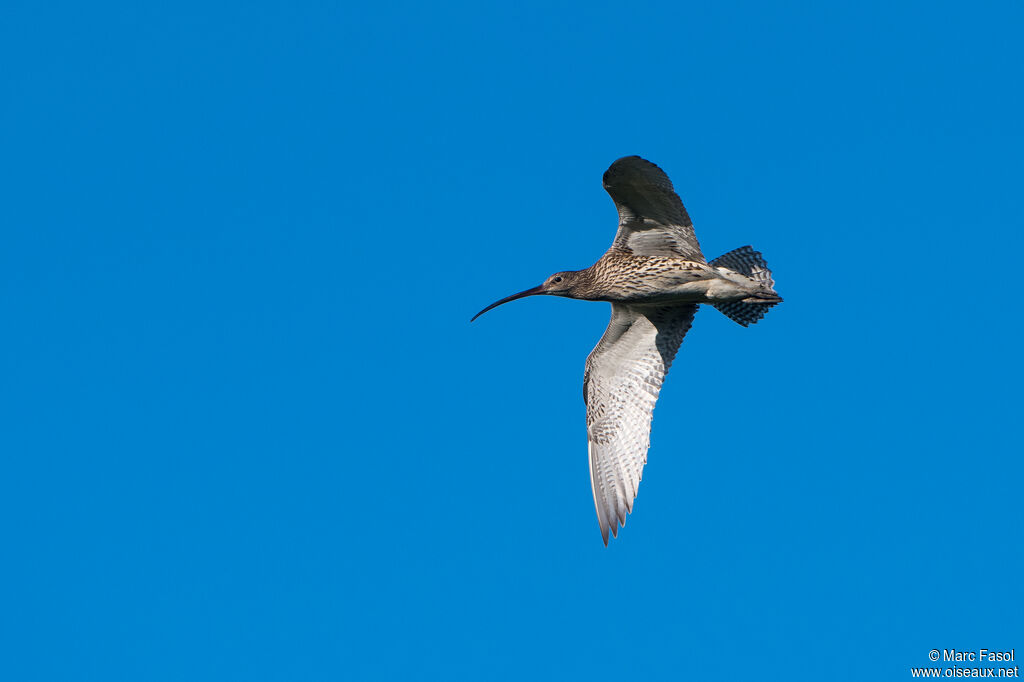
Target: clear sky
(249, 433)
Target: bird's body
(626, 278)
(654, 275)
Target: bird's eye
(556, 280)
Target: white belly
(700, 291)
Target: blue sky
(249, 432)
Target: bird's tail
(750, 263)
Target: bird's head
(558, 284)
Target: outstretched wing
(652, 219)
(621, 382)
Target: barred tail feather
(750, 263)
(746, 261)
(746, 312)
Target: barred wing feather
(621, 383)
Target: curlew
(655, 276)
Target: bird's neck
(585, 284)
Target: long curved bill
(522, 294)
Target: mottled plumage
(655, 276)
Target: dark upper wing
(652, 220)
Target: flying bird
(655, 276)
